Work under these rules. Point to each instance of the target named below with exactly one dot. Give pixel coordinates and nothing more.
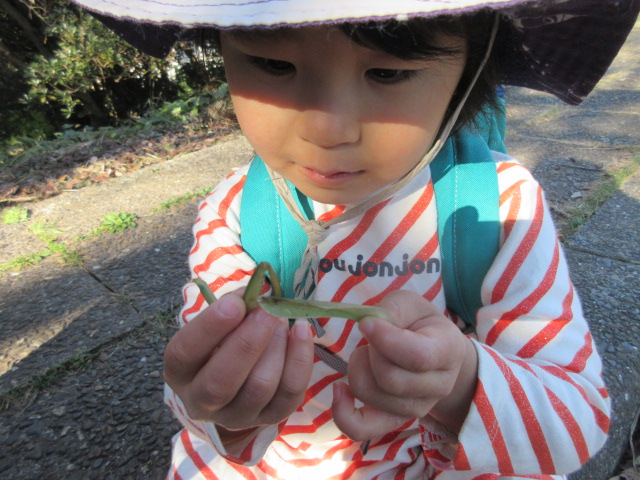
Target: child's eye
(385, 75)
(273, 67)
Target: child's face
(338, 120)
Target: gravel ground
(106, 421)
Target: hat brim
(562, 47)
(270, 13)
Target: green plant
(22, 394)
(116, 222)
(26, 152)
(78, 362)
(82, 74)
(185, 110)
(14, 215)
(68, 256)
(25, 261)
(49, 235)
(183, 199)
(22, 154)
(598, 195)
(44, 232)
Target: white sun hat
(562, 47)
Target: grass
(24, 261)
(547, 115)
(598, 195)
(112, 223)
(116, 222)
(22, 395)
(77, 363)
(48, 234)
(172, 202)
(50, 237)
(15, 215)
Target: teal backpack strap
(269, 233)
(467, 199)
(491, 125)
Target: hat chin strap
(304, 282)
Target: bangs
(417, 39)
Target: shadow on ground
(51, 312)
(107, 420)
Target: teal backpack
(466, 191)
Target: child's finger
(432, 346)
(364, 423)
(220, 379)
(372, 374)
(192, 346)
(295, 375)
(425, 389)
(261, 382)
(406, 307)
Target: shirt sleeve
(540, 406)
(217, 257)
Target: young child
(342, 100)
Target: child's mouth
(329, 179)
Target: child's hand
(421, 364)
(239, 372)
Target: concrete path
(96, 329)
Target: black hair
(418, 39)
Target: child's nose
(329, 125)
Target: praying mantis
(288, 307)
(293, 308)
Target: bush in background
(60, 66)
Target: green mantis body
(294, 308)
(288, 307)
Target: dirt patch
(96, 161)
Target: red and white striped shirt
(540, 409)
